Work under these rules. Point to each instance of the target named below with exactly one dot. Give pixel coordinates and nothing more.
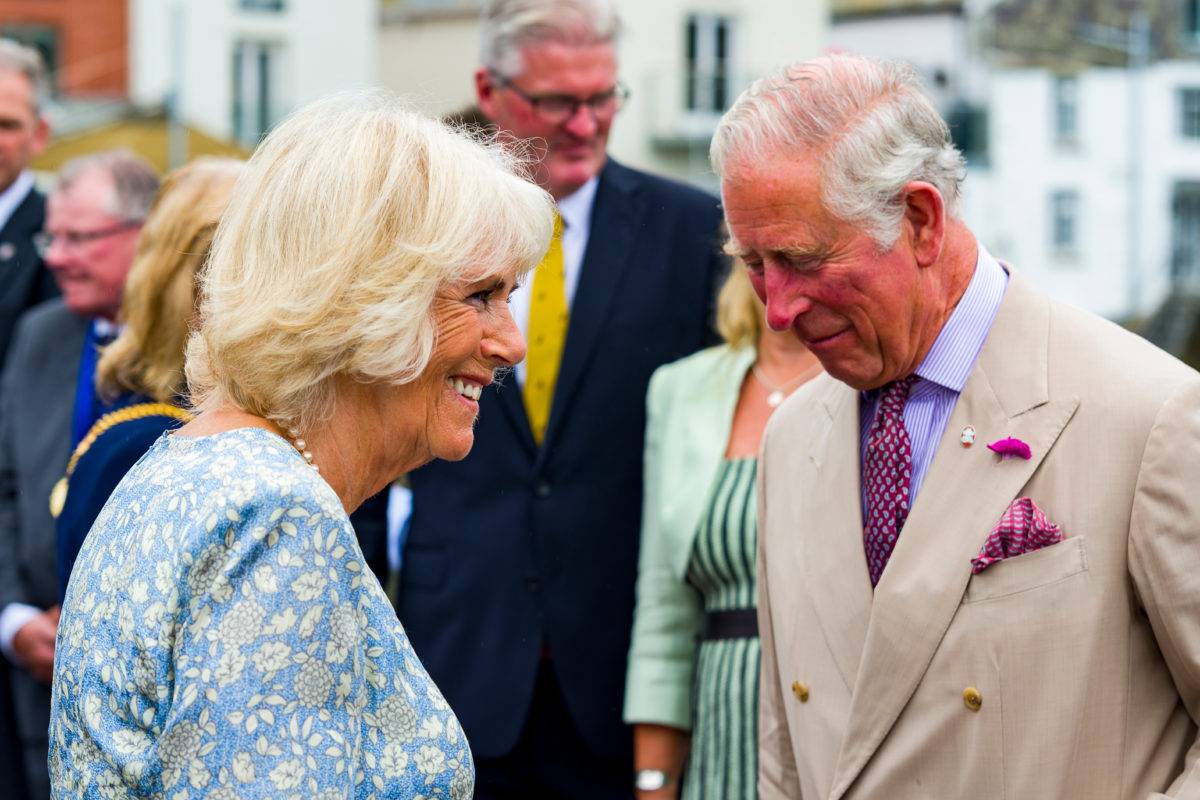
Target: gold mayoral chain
(58, 495)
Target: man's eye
(556, 104)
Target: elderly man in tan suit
(1032, 628)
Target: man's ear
(925, 221)
(41, 135)
(485, 92)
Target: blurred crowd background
(1080, 120)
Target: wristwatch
(650, 780)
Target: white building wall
(430, 58)
(1129, 141)
(191, 43)
(1008, 204)
(1169, 158)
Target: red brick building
(85, 42)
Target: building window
(1064, 219)
(1191, 18)
(1185, 233)
(255, 95)
(1066, 107)
(707, 73)
(261, 5)
(1189, 113)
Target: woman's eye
(482, 297)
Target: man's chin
(570, 175)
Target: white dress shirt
(576, 212)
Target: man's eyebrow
(735, 250)
(804, 252)
(794, 252)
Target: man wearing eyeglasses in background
(517, 579)
(48, 402)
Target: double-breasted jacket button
(800, 689)
(972, 698)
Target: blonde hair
(739, 311)
(350, 216)
(160, 291)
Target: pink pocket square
(1023, 528)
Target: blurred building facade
(683, 60)
(172, 79)
(85, 43)
(233, 68)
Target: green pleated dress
(724, 757)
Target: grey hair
(27, 61)
(134, 180)
(508, 25)
(870, 123)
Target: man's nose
(785, 297)
(583, 122)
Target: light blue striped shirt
(943, 373)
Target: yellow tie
(547, 331)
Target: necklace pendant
(775, 398)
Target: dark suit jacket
(515, 544)
(24, 281)
(37, 398)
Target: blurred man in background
(517, 579)
(24, 282)
(47, 404)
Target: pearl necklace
(302, 447)
(776, 394)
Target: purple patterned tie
(887, 472)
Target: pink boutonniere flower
(1011, 447)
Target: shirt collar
(576, 208)
(13, 196)
(104, 328)
(949, 361)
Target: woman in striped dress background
(692, 686)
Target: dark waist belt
(737, 623)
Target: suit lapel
(964, 494)
(607, 258)
(834, 566)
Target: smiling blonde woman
(221, 636)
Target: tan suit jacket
(1085, 655)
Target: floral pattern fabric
(222, 638)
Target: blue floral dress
(221, 638)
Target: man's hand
(34, 643)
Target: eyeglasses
(44, 240)
(555, 109)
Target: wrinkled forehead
(777, 191)
(90, 194)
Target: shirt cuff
(14, 617)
